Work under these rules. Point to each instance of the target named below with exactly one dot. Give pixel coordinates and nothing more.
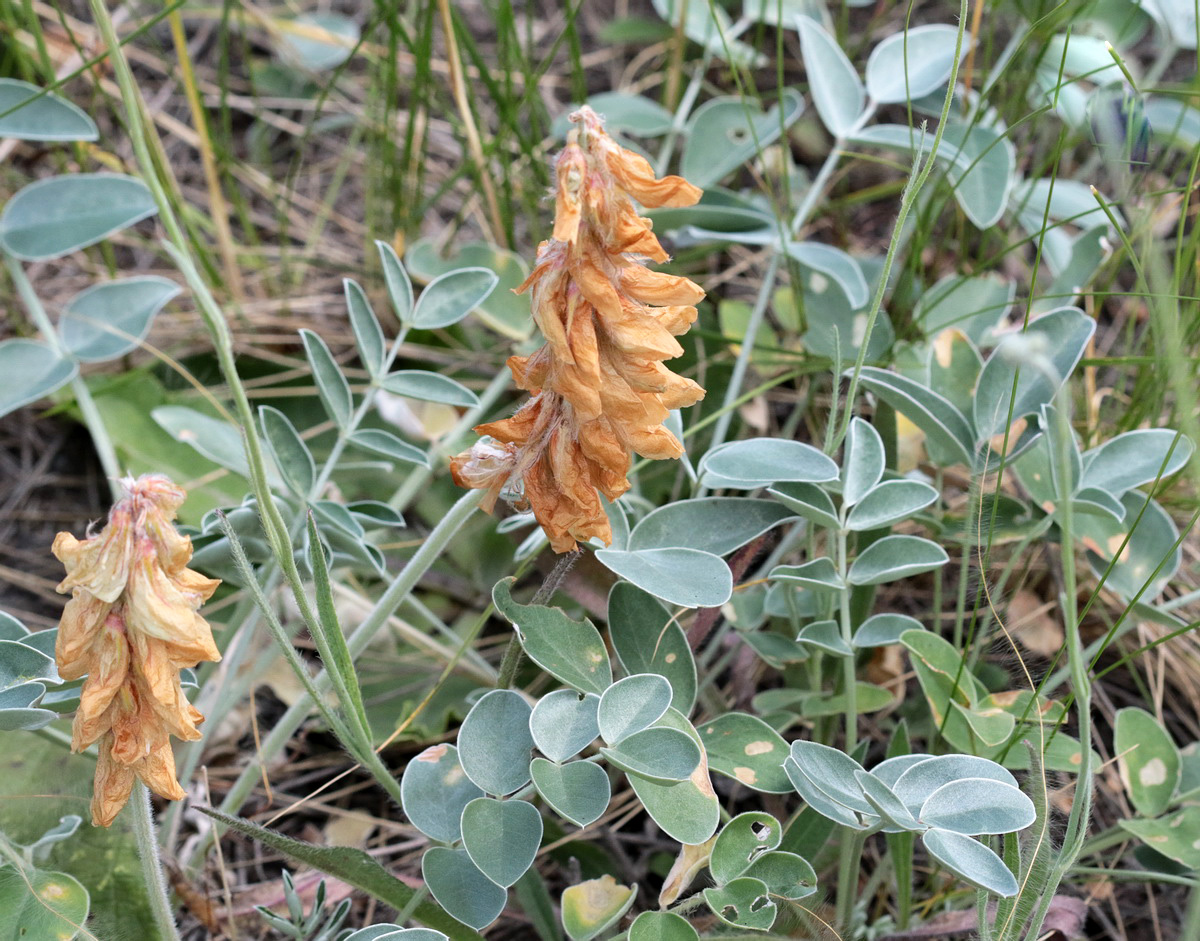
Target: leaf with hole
(495, 744)
(894, 557)
(743, 903)
(591, 908)
(686, 577)
(61, 214)
(429, 387)
(571, 651)
(836, 88)
(647, 639)
(109, 320)
(33, 370)
(909, 65)
(501, 837)
(563, 723)
(725, 132)
(971, 861)
(742, 841)
(577, 790)
(745, 748)
(458, 885)
(1147, 759)
(434, 791)
(889, 503)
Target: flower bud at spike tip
(599, 389)
(130, 627)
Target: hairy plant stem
(152, 871)
(357, 642)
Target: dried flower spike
(130, 626)
(600, 391)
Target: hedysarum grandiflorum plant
(130, 626)
(600, 391)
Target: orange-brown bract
(600, 391)
(130, 626)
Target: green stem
(152, 873)
(849, 676)
(83, 397)
(851, 860)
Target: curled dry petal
(131, 625)
(599, 389)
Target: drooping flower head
(599, 389)
(130, 627)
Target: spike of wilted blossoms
(130, 626)
(600, 391)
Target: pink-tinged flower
(600, 391)
(131, 625)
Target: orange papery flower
(599, 389)
(130, 627)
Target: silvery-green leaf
(758, 462)
(495, 744)
(833, 773)
(647, 639)
(32, 370)
(819, 573)
(836, 264)
(745, 748)
(61, 214)
(1148, 760)
(744, 903)
(817, 799)
(661, 755)
(1151, 557)
(971, 861)
(460, 888)
(973, 305)
(29, 113)
(890, 502)
(318, 41)
(912, 64)
(448, 298)
(429, 387)
(880, 630)
(109, 320)
(922, 778)
(836, 88)
(501, 837)
(723, 133)
(1064, 334)
(944, 425)
(368, 334)
(983, 189)
(896, 557)
(632, 114)
(564, 722)
(434, 791)
(632, 704)
(577, 790)
(387, 444)
(808, 500)
(1135, 458)
(862, 461)
(827, 636)
(291, 454)
(332, 386)
(217, 440)
(973, 806)
(662, 926)
(686, 577)
(717, 525)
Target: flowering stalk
(130, 626)
(600, 391)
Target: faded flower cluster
(130, 626)
(600, 391)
